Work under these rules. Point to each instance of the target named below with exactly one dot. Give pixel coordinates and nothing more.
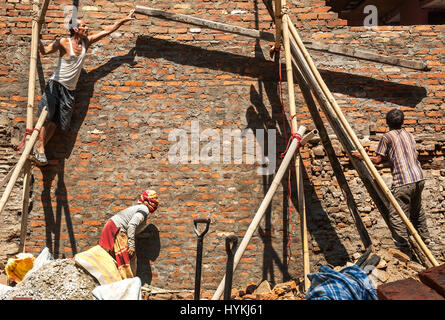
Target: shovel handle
(196, 222)
(231, 243)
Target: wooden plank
(205, 23)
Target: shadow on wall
(60, 148)
(258, 67)
(258, 117)
(319, 226)
(148, 247)
(352, 85)
(53, 220)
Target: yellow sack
(98, 262)
(17, 267)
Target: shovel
(200, 235)
(231, 243)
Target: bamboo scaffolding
(333, 104)
(266, 201)
(38, 19)
(23, 158)
(301, 208)
(335, 163)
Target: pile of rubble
(63, 279)
(60, 279)
(394, 265)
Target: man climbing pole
(59, 91)
(398, 147)
(119, 233)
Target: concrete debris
(60, 279)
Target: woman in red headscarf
(118, 234)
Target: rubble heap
(60, 279)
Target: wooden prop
(266, 201)
(313, 73)
(299, 181)
(38, 19)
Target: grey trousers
(409, 197)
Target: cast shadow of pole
(53, 223)
(60, 148)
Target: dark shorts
(60, 103)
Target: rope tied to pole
(294, 135)
(28, 132)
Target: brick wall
(153, 76)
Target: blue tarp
(351, 283)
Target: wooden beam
(278, 23)
(301, 208)
(205, 23)
(335, 163)
(36, 27)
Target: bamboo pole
(265, 203)
(299, 183)
(278, 23)
(204, 23)
(38, 18)
(23, 158)
(358, 145)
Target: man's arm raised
(51, 48)
(100, 35)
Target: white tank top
(68, 70)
